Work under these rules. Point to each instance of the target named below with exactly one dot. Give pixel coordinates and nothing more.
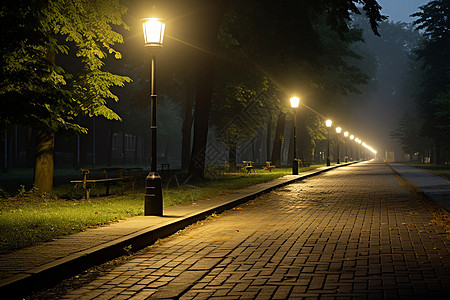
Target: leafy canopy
(52, 61)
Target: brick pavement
(356, 232)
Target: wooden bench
(269, 166)
(248, 166)
(130, 174)
(107, 176)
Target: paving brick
(356, 232)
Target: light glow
(295, 102)
(328, 123)
(153, 32)
(338, 129)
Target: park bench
(248, 166)
(269, 166)
(106, 176)
(130, 175)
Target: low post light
(328, 124)
(338, 131)
(153, 29)
(295, 102)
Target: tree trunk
(187, 126)
(232, 159)
(212, 15)
(278, 140)
(268, 138)
(201, 120)
(44, 160)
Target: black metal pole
(295, 162)
(328, 149)
(346, 150)
(338, 154)
(153, 205)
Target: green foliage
(434, 21)
(28, 220)
(41, 88)
(408, 134)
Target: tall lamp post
(352, 137)
(338, 131)
(360, 150)
(328, 124)
(346, 146)
(295, 102)
(357, 149)
(153, 29)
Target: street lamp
(153, 30)
(360, 150)
(338, 131)
(346, 146)
(328, 124)
(352, 137)
(295, 102)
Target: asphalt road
(357, 231)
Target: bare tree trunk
(187, 126)
(278, 141)
(232, 159)
(44, 161)
(212, 15)
(269, 138)
(201, 120)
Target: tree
(434, 21)
(267, 27)
(408, 134)
(53, 55)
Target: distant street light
(295, 102)
(360, 154)
(346, 146)
(338, 131)
(153, 29)
(352, 137)
(328, 124)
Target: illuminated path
(356, 231)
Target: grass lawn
(28, 218)
(441, 170)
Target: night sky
(400, 10)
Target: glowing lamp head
(346, 134)
(295, 102)
(338, 129)
(352, 137)
(328, 123)
(153, 32)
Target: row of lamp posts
(153, 29)
(295, 102)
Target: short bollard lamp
(338, 131)
(153, 29)
(295, 102)
(328, 124)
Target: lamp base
(153, 205)
(295, 167)
(328, 162)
